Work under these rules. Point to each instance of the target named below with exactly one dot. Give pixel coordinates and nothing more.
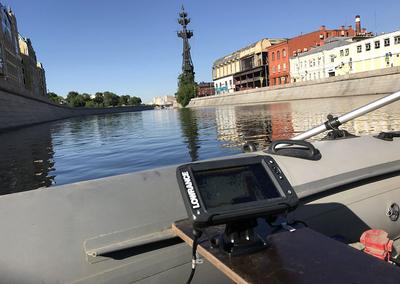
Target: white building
(341, 56)
(164, 101)
(224, 85)
(370, 54)
(316, 63)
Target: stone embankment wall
(21, 108)
(380, 82)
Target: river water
(91, 147)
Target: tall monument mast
(185, 34)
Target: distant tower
(187, 64)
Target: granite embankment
(20, 108)
(380, 82)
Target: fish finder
(230, 190)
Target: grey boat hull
(116, 229)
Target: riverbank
(19, 107)
(379, 82)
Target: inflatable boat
(118, 229)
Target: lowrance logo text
(190, 190)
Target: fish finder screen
(236, 185)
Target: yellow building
(244, 68)
(370, 54)
(33, 72)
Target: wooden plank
(209, 256)
(303, 256)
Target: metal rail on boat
(337, 121)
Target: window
(284, 66)
(346, 52)
(273, 69)
(332, 58)
(313, 62)
(279, 68)
(278, 55)
(319, 61)
(341, 52)
(367, 46)
(6, 24)
(377, 44)
(397, 40)
(386, 42)
(230, 83)
(273, 56)
(284, 53)
(359, 48)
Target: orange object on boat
(377, 243)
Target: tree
(55, 98)
(74, 99)
(124, 100)
(186, 89)
(135, 101)
(90, 103)
(110, 99)
(99, 99)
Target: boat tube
(118, 229)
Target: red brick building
(279, 54)
(205, 89)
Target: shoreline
(380, 82)
(20, 108)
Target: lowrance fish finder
(224, 191)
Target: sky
(130, 47)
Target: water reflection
(26, 159)
(98, 146)
(259, 124)
(190, 131)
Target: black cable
(298, 222)
(197, 235)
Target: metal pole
(349, 116)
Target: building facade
(33, 74)
(316, 63)
(370, 54)
(165, 101)
(18, 63)
(244, 69)
(205, 89)
(10, 60)
(343, 56)
(279, 54)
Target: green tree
(124, 100)
(135, 101)
(90, 103)
(86, 97)
(99, 99)
(55, 98)
(186, 89)
(74, 99)
(110, 99)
